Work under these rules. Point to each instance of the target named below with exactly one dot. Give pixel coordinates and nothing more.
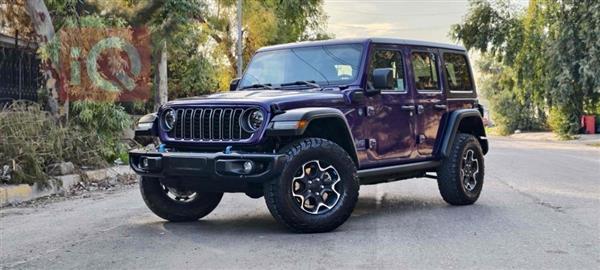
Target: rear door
(430, 98)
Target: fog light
(248, 166)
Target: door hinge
(360, 145)
(366, 111)
(372, 143)
(366, 144)
(370, 111)
(421, 138)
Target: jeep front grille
(209, 124)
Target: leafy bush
(510, 110)
(105, 119)
(561, 123)
(30, 140)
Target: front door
(429, 98)
(391, 114)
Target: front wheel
(318, 188)
(177, 205)
(460, 177)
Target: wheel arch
(325, 123)
(463, 121)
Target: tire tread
(448, 170)
(160, 205)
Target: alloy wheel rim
(469, 170)
(179, 195)
(315, 189)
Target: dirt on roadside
(83, 189)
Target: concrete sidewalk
(586, 139)
(14, 194)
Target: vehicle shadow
(368, 210)
(252, 224)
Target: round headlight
(255, 120)
(169, 119)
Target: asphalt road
(540, 209)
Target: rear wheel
(317, 189)
(460, 177)
(177, 205)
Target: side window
(457, 70)
(425, 70)
(388, 59)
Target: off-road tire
(163, 206)
(278, 193)
(450, 182)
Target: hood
(285, 99)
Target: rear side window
(425, 70)
(388, 59)
(457, 71)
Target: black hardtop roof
(383, 40)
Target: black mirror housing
(383, 78)
(233, 85)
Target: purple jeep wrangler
(310, 122)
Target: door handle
(440, 106)
(407, 107)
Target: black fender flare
(451, 129)
(294, 122)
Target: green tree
(201, 37)
(548, 55)
(265, 23)
(574, 63)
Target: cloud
(344, 30)
(425, 20)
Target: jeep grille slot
(209, 124)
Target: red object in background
(588, 122)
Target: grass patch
(30, 140)
(494, 131)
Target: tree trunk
(162, 93)
(42, 24)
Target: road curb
(11, 194)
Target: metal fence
(20, 77)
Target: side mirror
(233, 85)
(383, 78)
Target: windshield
(324, 65)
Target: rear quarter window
(458, 77)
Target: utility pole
(240, 34)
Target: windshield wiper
(307, 83)
(258, 85)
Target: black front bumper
(207, 171)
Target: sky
(428, 20)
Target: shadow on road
(251, 224)
(369, 210)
